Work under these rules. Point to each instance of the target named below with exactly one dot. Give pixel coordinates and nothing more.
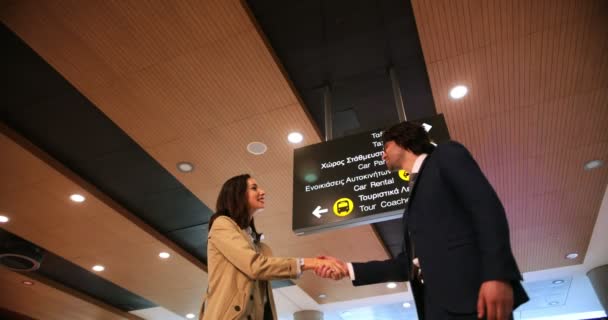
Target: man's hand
(326, 271)
(495, 300)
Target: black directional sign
(345, 182)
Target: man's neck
(418, 162)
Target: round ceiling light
(560, 281)
(407, 305)
(257, 148)
(391, 285)
(190, 316)
(572, 256)
(77, 197)
(27, 282)
(185, 167)
(458, 92)
(553, 303)
(322, 296)
(4, 219)
(593, 164)
(164, 255)
(295, 137)
(98, 268)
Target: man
(457, 253)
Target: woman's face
(255, 196)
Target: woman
(240, 266)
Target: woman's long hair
(232, 203)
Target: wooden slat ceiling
(193, 81)
(52, 301)
(537, 110)
(35, 194)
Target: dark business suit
(459, 230)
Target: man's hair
(409, 135)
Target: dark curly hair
(409, 135)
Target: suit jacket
(234, 265)
(460, 232)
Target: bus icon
(343, 206)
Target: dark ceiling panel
(193, 239)
(355, 38)
(391, 233)
(133, 171)
(349, 46)
(77, 278)
(366, 92)
(173, 210)
(70, 275)
(45, 109)
(416, 91)
(54, 119)
(11, 315)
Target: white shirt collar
(418, 162)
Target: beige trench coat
(234, 265)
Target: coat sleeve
(226, 237)
(473, 190)
(372, 272)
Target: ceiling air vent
(19, 255)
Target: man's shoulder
(449, 148)
(450, 144)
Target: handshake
(327, 267)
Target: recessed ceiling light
(572, 256)
(295, 137)
(322, 296)
(346, 314)
(558, 281)
(406, 305)
(164, 255)
(185, 167)
(458, 92)
(391, 285)
(190, 316)
(4, 219)
(593, 164)
(553, 303)
(257, 148)
(27, 282)
(98, 268)
(77, 197)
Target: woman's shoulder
(224, 222)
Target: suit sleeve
(372, 272)
(228, 240)
(474, 191)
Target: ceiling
(105, 98)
